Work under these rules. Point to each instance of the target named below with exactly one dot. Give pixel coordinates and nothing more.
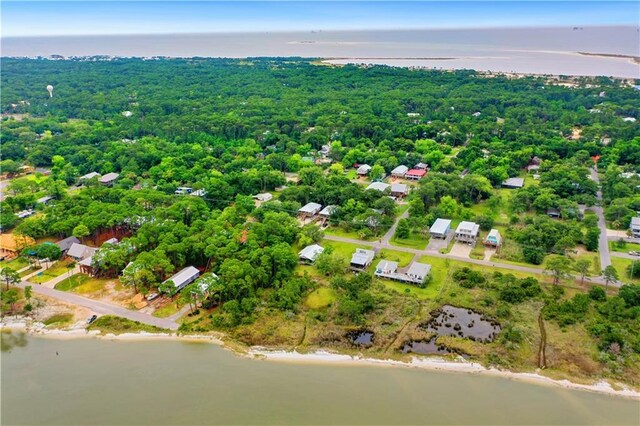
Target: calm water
(525, 50)
(102, 382)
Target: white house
(310, 209)
(399, 171)
(263, 197)
(361, 259)
(467, 232)
(378, 186)
(183, 278)
(364, 169)
(309, 254)
(440, 228)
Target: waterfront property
(310, 210)
(416, 174)
(440, 228)
(635, 227)
(309, 254)
(399, 172)
(361, 259)
(467, 232)
(378, 186)
(399, 190)
(494, 239)
(109, 179)
(513, 183)
(416, 273)
(183, 278)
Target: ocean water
(99, 382)
(522, 50)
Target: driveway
(461, 250)
(435, 244)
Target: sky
(25, 18)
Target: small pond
(462, 322)
(425, 347)
(361, 337)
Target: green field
(81, 284)
(613, 246)
(415, 241)
(621, 266)
(15, 264)
(320, 298)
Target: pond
(361, 337)
(461, 322)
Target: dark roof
(67, 243)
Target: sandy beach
(324, 357)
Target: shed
(183, 278)
(263, 197)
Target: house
(44, 200)
(12, 244)
(183, 190)
(325, 150)
(183, 278)
(440, 228)
(554, 213)
(421, 166)
(109, 179)
(513, 183)
(23, 214)
(386, 269)
(378, 186)
(263, 197)
(415, 174)
(310, 210)
(494, 239)
(467, 232)
(66, 244)
(399, 171)
(635, 227)
(363, 169)
(111, 241)
(399, 189)
(80, 251)
(309, 254)
(86, 265)
(198, 193)
(533, 167)
(89, 176)
(477, 114)
(418, 272)
(327, 211)
(361, 259)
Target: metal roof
(311, 252)
(440, 226)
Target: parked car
(92, 318)
(151, 296)
(634, 253)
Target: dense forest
(236, 128)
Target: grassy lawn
(116, 325)
(15, 264)
(166, 310)
(82, 284)
(339, 232)
(613, 246)
(58, 320)
(351, 174)
(320, 298)
(415, 241)
(593, 258)
(621, 266)
(344, 250)
(478, 251)
(56, 270)
(403, 258)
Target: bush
(468, 278)
(598, 294)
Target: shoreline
(327, 357)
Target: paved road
(391, 232)
(603, 242)
(531, 270)
(624, 255)
(101, 308)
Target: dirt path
(542, 357)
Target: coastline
(324, 356)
